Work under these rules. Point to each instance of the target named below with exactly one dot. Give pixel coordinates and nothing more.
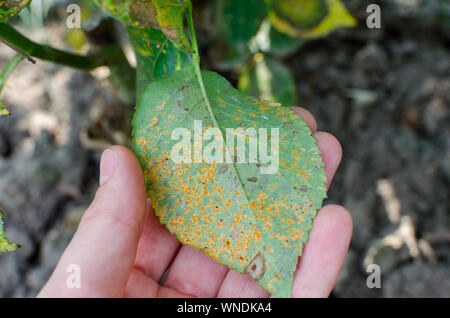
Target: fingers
(241, 286)
(141, 286)
(324, 253)
(104, 246)
(331, 153)
(157, 247)
(194, 273)
(307, 117)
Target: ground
(384, 93)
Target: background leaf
(251, 222)
(270, 40)
(11, 8)
(308, 18)
(241, 20)
(3, 110)
(269, 79)
(300, 14)
(5, 245)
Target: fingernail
(107, 165)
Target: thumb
(105, 243)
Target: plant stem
(16, 39)
(196, 62)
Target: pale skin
(123, 250)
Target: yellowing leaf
(5, 245)
(3, 110)
(337, 16)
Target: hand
(123, 250)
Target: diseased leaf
(5, 245)
(11, 8)
(170, 18)
(118, 9)
(166, 15)
(309, 18)
(156, 56)
(235, 212)
(268, 79)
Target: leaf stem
(196, 62)
(28, 47)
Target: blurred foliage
(268, 78)
(9, 68)
(11, 8)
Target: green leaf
(240, 20)
(156, 56)
(11, 8)
(309, 18)
(236, 213)
(5, 245)
(267, 78)
(166, 15)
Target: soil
(384, 93)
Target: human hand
(123, 250)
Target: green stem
(13, 37)
(196, 62)
(9, 68)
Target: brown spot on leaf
(257, 267)
(223, 169)
(144, 12)
(302, 188)
(252, 179)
